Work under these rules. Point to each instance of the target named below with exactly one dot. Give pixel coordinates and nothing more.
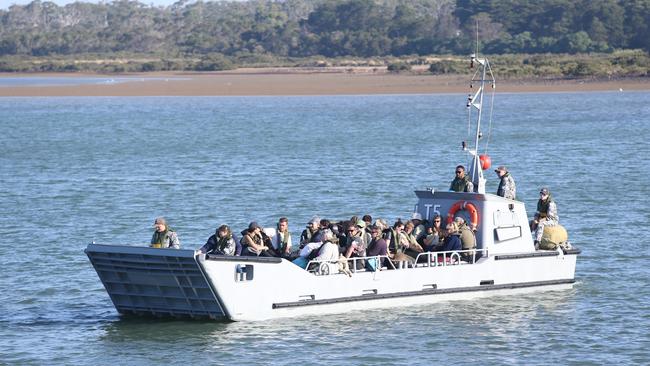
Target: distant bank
(286, 81)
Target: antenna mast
(482, 74)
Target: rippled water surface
(77, 170)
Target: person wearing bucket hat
(164, 236)
(507, 187)
(546, 215)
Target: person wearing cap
(164, 236)
(357, 240)
(253, 242)
(546, 215)
(311, 233)
(418, 228)
(461, 182)
(221, 242)
(467, 238)
(507, 187)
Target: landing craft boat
(182, 283)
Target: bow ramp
(157, 282)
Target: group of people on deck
(325, 240)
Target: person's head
(416, 218)
(398, 225)
(367, 219)
(459, 221)
(436, 221)
(352, 229)
(408, 227)
(314, 224)
(324, 223)
(375, 231)
(160, 224)
(223, 231)
(283, 224)
(253, 227)
(501, 171)
(460, 171)
(452, 228)
(544, 194)
(328, 235)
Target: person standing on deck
(461, 182)
(164, 236)
(507, 187)
(546, 215)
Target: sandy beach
(247, 82)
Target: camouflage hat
(160, 220)
(501, 168)
(544, 191)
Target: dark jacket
(452, 242)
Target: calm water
(76, 170)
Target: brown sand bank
(299, 82)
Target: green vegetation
(531, 38)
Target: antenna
(475, 102)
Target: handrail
(433, 259)
(352, 263)
(452, 257)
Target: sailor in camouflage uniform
(546, 215)
(164, 236)
(507, 187)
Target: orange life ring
(467, 206)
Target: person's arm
(287, 250)
(209, 244)
(552, 211)
(173, 241)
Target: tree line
(216, 32)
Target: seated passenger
(402, 246)
(329, 251)
(467, 238)
(461, 182)
(418, 229)
(357, 241)
(253, 242)
(452, 240)
(546, 215)
(164, 236)
(220, 243)
(311, 233)
(376, 247)
(435, 234)
(281, 240)
(367, 219)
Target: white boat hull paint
(285, 290)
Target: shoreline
(298, 82)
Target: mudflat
(292, 81)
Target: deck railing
(384, 262)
